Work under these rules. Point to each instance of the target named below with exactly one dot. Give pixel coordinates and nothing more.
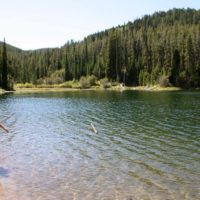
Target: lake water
(147, 146)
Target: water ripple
(147, 145)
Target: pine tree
(190, 60)
(0, 68)
(174, 78)
(4, 83)
(67, 72)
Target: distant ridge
(11, 48)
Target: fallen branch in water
(4, 128)
(93, 128)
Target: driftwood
(4, 128)
(93, 128)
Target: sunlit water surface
(147, 146)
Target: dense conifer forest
(165, 45)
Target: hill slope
(10, 48)
(159, 46)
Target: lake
(147, 146)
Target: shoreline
(155, 88)
(113, 88)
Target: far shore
(155, 88)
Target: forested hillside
(165, 44)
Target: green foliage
(174, 78)
(25, 85)
(104, 83)
(87, 82)
(70, 84)
(164, 81)
(58, 76)
(165, 43)
(144, 78)
(114, 83)
(84, 82)
(67, 84)
(4, 68)
(92, 80)
(155, 73)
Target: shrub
(25, 85)
(47, 86)
(84, 83)
(164, 81)
(45, 81)
(115, 83)
(92, 80)
(40, 81)
(67, 84)
(58, 76)
(104, 83)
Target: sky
(33, 24)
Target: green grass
(1, 91)
(68, 84)
(76, 85)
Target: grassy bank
(2, 91)
(155, 88)
(71, 86)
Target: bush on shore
(105, 83)
(87, 82)
(92, 80)
(164, 81)
(24, 85)
(84, 82)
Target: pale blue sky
(31, 24)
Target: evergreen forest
(163, 45)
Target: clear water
(147, 146)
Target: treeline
(4, 67)
(163, 45)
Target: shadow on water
(4, 172)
